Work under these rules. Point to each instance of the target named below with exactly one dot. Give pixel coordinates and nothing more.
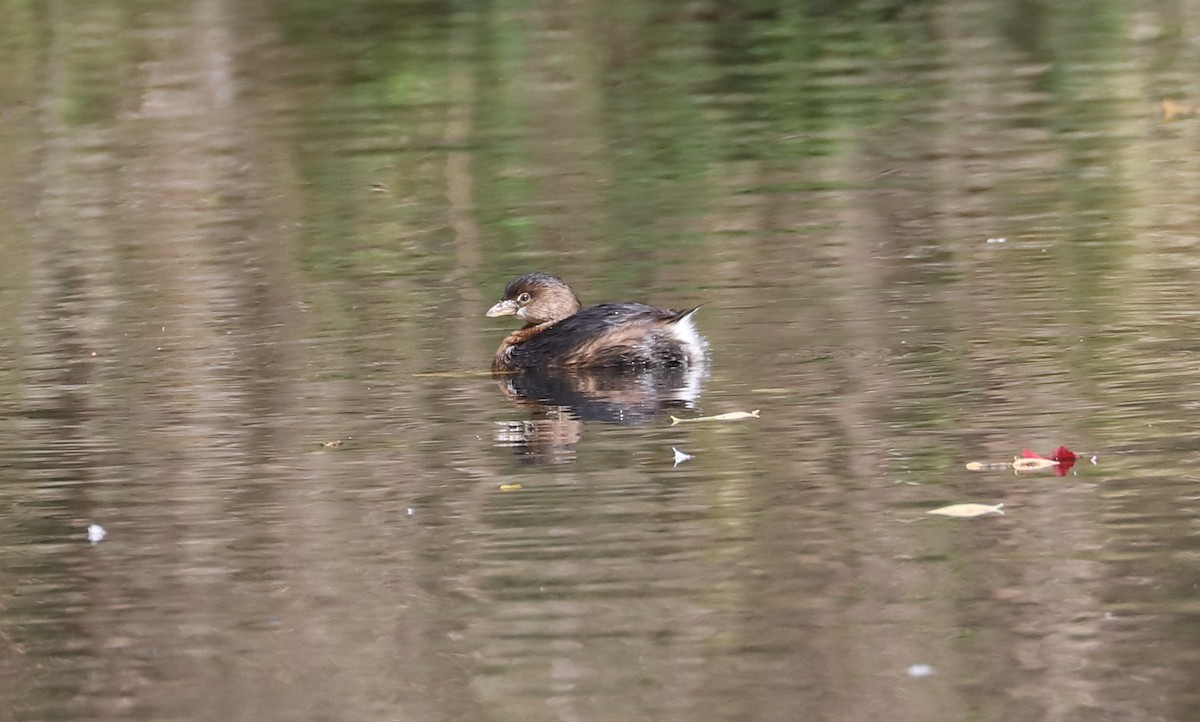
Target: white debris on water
(680, 456)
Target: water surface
(923, 234)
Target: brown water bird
(560, 333)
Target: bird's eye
(523, 298)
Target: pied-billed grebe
(558, 333)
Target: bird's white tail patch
(685, 332)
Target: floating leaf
(1028, 464)
(731, 416)
(986, 466)
(968, 511)
(1061, 461)
(510, 487)
(1173, 110)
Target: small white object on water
(96, 533)
(996, 240)
(968, 511)
(410, 511)
(680, 456)
(1095, 459)
(920, 670)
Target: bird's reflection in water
(559, 401)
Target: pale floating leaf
(988, 465)
(731, 416)
(511, 487)
(968, 511)
(1173, 110)
(1034, 464)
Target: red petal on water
(1062, 453)
(1065, 458)
(1031, 454)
